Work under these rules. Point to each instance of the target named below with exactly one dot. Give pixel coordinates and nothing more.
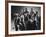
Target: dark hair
(36, 12)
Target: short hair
(36, 12)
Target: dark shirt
(31, 26)
(26, 18)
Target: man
(22, 27)
(25, 14)
(16, 22)
(26, 18)
(37, 21)
(31, 22)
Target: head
(36, 12)
(25, 9)
(31, 9)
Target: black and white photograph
(25, 18)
